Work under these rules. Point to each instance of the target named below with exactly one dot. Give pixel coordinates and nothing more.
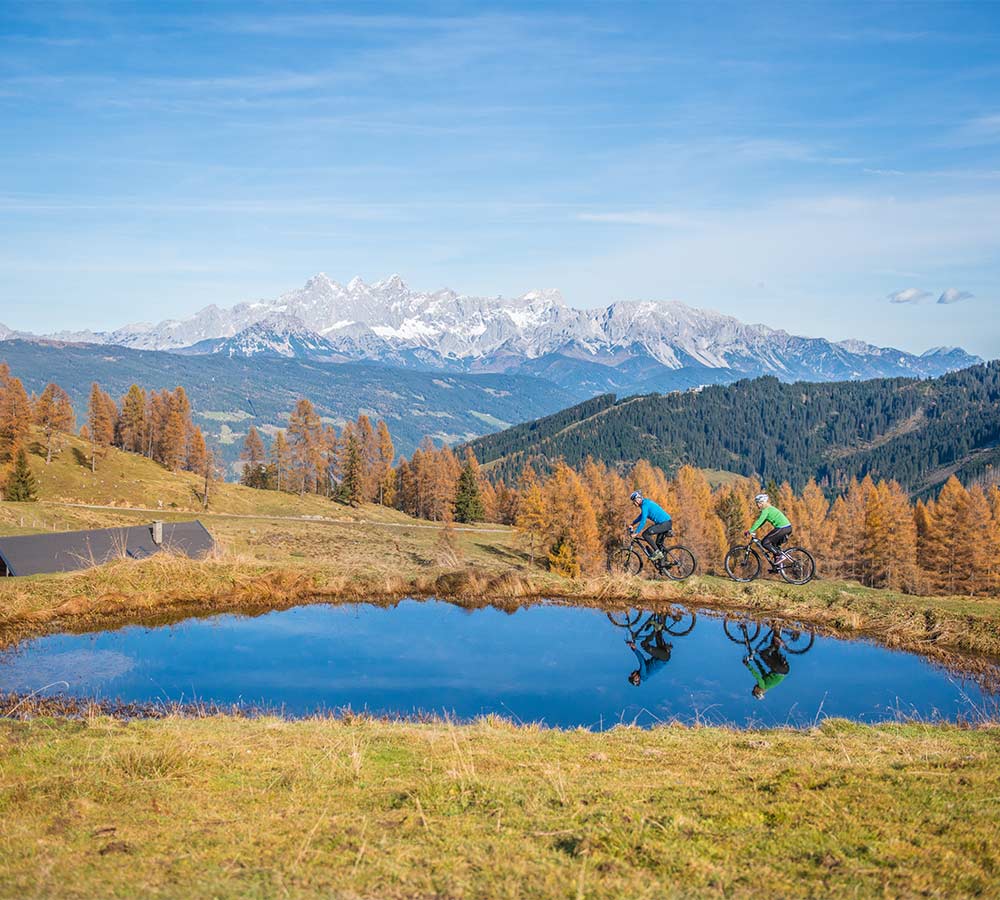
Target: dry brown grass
(223, 806)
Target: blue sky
(798, 164)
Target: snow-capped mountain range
(624, 346)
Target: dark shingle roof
(34, 554)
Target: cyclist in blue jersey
(660, 524)
(659, 655)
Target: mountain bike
(794, 564)
(794, 637)
(678, 621)
(677, 563)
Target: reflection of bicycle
(793, 637)
(677, 563)
(677, 622)
(794, 564)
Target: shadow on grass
(504, 553)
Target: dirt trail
(324, 520)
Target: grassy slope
(128, 480)
(223, 807)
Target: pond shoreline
(129, 593)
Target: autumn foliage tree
(255, 472)
(305, 441)
(102, 422)
(132, 427)
(575, 540)
(16, 414)
(281, 456)
(385, 478)
(532, 520)
(54, 416)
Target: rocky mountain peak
(390, 322)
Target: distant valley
(229, 395)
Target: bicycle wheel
(625, 561)
(801, 567)
(679, 622)
(736, 634)
(742, 563)
(796, 639)
(677, 563)
(625, 618)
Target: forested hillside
(915, 431)
(229, 395)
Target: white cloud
(954, 295)
(909, 295)
(637, 217)
(980, 131)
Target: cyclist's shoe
(656, 556)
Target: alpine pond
(558, 665)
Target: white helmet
(762, 498)
(635, 495)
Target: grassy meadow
(225, 806)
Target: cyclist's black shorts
(654, 534)
(777, 537)
(775, 660)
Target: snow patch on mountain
(280, 334)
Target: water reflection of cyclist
(659, 655)
(768, 666)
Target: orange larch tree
(54, 416)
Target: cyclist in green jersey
(768, 666)
(781, 528)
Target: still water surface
(559, 665)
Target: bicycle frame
(754, 541)
(637, 541)
(768, 554)
(788, 633)
(677, 562)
